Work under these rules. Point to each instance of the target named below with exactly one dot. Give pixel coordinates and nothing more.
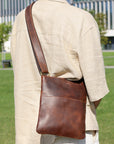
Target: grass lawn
(109, 61)
(108, 58)
(108, 53)
(7, 131)
(105, 112)
(6, 108)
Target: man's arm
(96, 103)
(91, 62)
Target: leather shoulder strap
(37, 49)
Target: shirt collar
(62, 1)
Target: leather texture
(62, 102)
(40, 59)
(62, 108)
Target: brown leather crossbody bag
(62, 102)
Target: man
(71, 44)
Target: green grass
(7, 130)
(105, 112)
(109, 61)
(108, 53)
(7, 133)
(7, 57)
(108, 58)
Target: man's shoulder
(79, 14)
(20, 15)
(75, 10)
(20, 20)
(70, 10)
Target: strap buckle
(44, 73)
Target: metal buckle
(45, 73)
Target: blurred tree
(101, 21)
(5, 29)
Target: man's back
(71, 44)
(60, 28)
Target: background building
(8, 11)
(10, 8)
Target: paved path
(108, 50)
(109, 67)
(108, 56)
(6, 68)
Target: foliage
(5, 29)
(101, 21)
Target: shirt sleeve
(92, 64)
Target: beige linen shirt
(71, 44)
